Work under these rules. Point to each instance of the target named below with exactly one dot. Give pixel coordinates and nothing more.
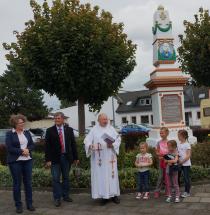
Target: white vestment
(104, 173)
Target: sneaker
(138, 195)
(185, 194)
(177, 200)
(168, 200)
(146, 196)
(156, 195)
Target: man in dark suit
(60, 153)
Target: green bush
(5, 177)
(38, 159)
(84, 161)
(42, 177)
(3, 154)
(201, 154)
(199, 173)
(131, 140)
(40, 146)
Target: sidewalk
(197, 204)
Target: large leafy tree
(194, 52)
(16, 96)
(74, 51)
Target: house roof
(52, 115)
(129, 101)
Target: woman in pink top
(161, 150)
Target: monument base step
(154, 136)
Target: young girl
(143, 163)
(184, 150)
(171, 159)
(161, 150)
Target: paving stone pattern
(197, 204)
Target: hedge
(200, 157)
(201, 154)
(42, 177)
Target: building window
(198, 115)
(142, 102)
(145, 119)
(124, 120)
(148, 101)
(152, 119)
(133, 119)
(93, 123)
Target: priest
(102, 144)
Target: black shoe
(19, 210)
(31, 208)
(104, 202)
(116, 200)
(67, 199)
(57, 203)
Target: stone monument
(166, 82)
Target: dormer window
(143, 102)
(129, 103)
(148, 101)
(202, 96)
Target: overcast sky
(137, 15)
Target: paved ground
(198, 204)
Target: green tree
(194, 52)
(75, 51)
(17, 97)
(66, 104)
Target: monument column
(166, 82)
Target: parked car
(118, 128)
(36, 138)
(3, 152)
(76, 132)
(3, 135)
(132, 128)
(146, 125)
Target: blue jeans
(143, 181)
(19, 170)
(61, 189)
(185, 170)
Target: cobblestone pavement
(197, 204)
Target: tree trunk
(81, 116)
